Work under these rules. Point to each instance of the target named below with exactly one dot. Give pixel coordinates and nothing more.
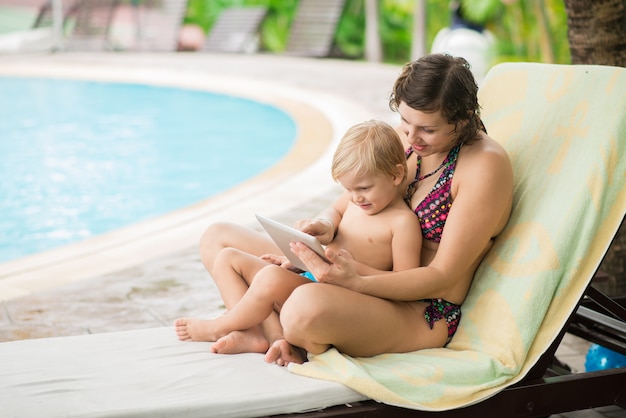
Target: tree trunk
(597, 31)
(597, 35)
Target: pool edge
(275, 190)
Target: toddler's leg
(234, 270)
(232, 267)
(271, 286)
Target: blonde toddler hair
(369, 147)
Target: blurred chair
(86, 23)
(236, 30)
(158, 24)
(90, 25)
(45, 16)
(313, 29)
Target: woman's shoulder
(485, 152)
(484, 164)
(484, 175)
(485, 144)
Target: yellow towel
(564, 128)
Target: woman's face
(427, 133)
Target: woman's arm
(482, 204)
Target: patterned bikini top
(432, 212)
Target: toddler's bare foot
(283, 353)
(194, 329)
(236, 342)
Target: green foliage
(397, 17)
(525, 30)
(532, 30)
(482, 11)
(350, 36)
(204, 13)
(396, 23)
(275, 28)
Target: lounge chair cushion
(149, 373)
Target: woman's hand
(322, 229)
(341, 271)
(280, 260)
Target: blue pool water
(80, 158)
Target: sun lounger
(86, 23)
(45, 15)
(312, 32)
(91, 27)
(563, 127)
(159, 24)
(236, 30)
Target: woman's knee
(212, 241)
(215, 235)
(303, 311)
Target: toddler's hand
(280, 260)
(321, 229)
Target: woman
(460, 186)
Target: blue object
(601, 358)
(309, 276)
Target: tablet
(283, 235)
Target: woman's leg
(316, 317)
(222, 235)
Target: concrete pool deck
(133, 288)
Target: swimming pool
(79, 158)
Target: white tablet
(283, 235)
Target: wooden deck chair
(312, 32)
(159, 24)
(236, 30)
(563, 127)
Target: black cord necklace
(425, 176)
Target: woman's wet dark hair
(440, 82)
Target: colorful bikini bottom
(439, 309)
